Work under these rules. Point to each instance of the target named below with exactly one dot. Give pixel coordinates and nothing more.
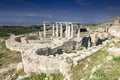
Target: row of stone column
(69, 32)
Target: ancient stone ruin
(47, 55)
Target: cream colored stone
(8, 78)
(114, 51)
(114, 31)
(19, 66)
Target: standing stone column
(56, 30)
(53, 27)
(66, 32)
(78, 33)
(61, 30)
(72, 31)
(44, 29)
(69, 30)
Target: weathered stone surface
(114, 31)
(10, 67)
(3, 70)
(100, 29)
(8, 78)
(22, 77)
(23, 40)
(114, 51)
(19, 66)
(98, 38)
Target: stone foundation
(43, 58)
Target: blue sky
(37, 11)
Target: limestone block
(23, 40)
(4, 70)
(104, 44)
(114, 31)
(19, 66)
(22, 77)
(65, 66)
(114, 51)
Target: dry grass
(7, 56)
(109, 71)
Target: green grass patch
(112, 37)
(117, 59)
(108, 71)
(117, 45)
(58, 76)
(99, 74)
(80, 73)
(5, 32)
(37, 76)
(42, 76)
(7, 56)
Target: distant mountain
(11, 23)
